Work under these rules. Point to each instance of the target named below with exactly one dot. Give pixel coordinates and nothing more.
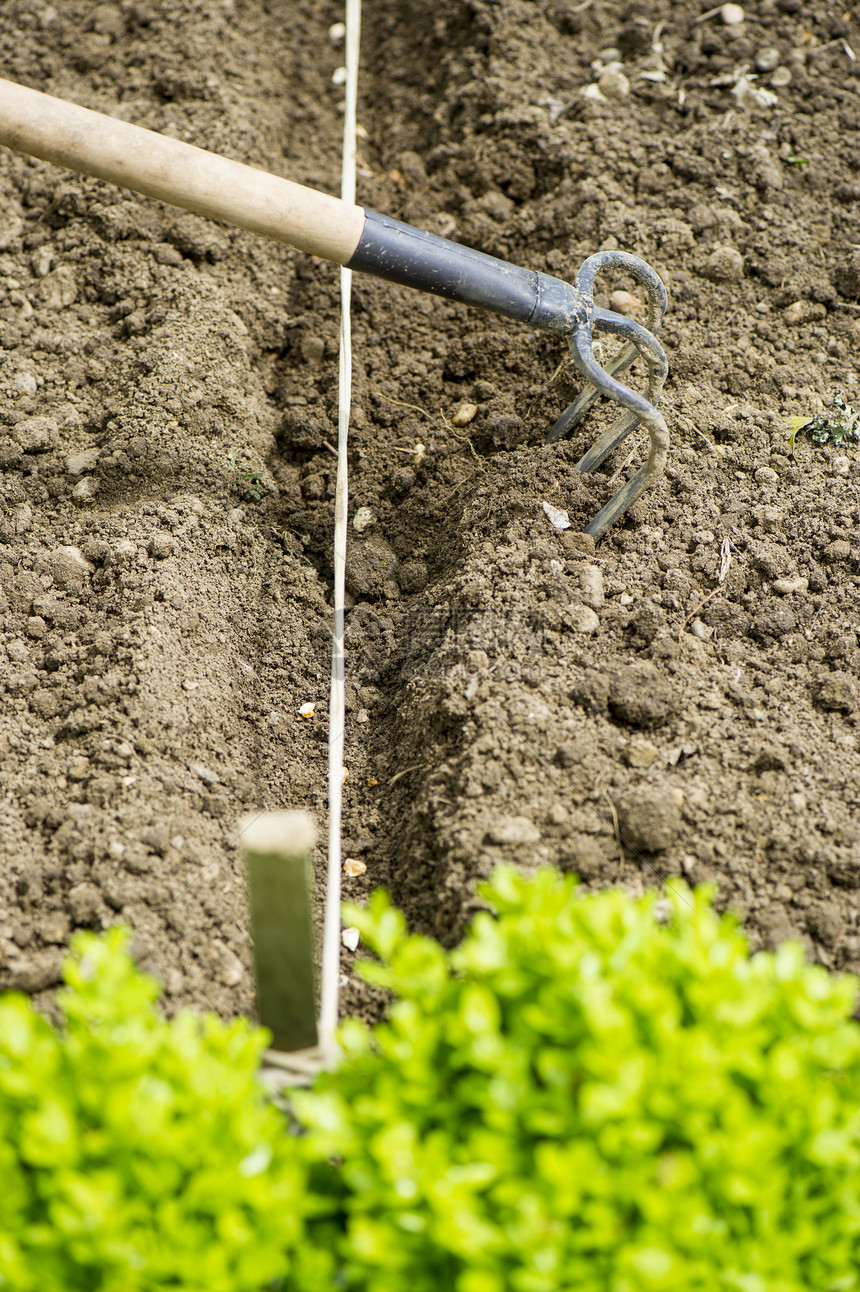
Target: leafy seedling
(250, 490)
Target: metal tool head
(639, 409)
(403, 254)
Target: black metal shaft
(403, 254)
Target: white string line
(330, 976)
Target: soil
(679, 700)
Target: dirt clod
(649, 819)
(641, 696)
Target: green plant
(581, 1097)
(250, 489)
(838, 425)
(135, 1153)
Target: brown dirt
(168, 393)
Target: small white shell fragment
(464, 414)
(337, 32)
(556, 516)
(338, 76)
(732, 15)
(751, 97)
(350, 938)
(841, 466)
(353, 866)
(307, 709)
(419, 451)
(625, 303)
(363, 519)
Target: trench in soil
(514, 693)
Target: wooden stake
(278, 848)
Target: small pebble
(701, 630)
(464, 414)
(732, 15)
(85, 491)
(337, 32)
(582, 619)
(785, 587)
(24, 382)
(781, 78)
(767, 59)
(613, 84)
(338, 76)
(641, 753)
(350, 938)
(363, 519)
(625, 303)
(353, 866)
(795, 313)
(841, 466)
(307, 710)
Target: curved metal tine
(657, 301)
(641, 409)
(588, 396)
(643, 342)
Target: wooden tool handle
(179, 173)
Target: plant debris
(838, 425)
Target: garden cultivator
(363, 240)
